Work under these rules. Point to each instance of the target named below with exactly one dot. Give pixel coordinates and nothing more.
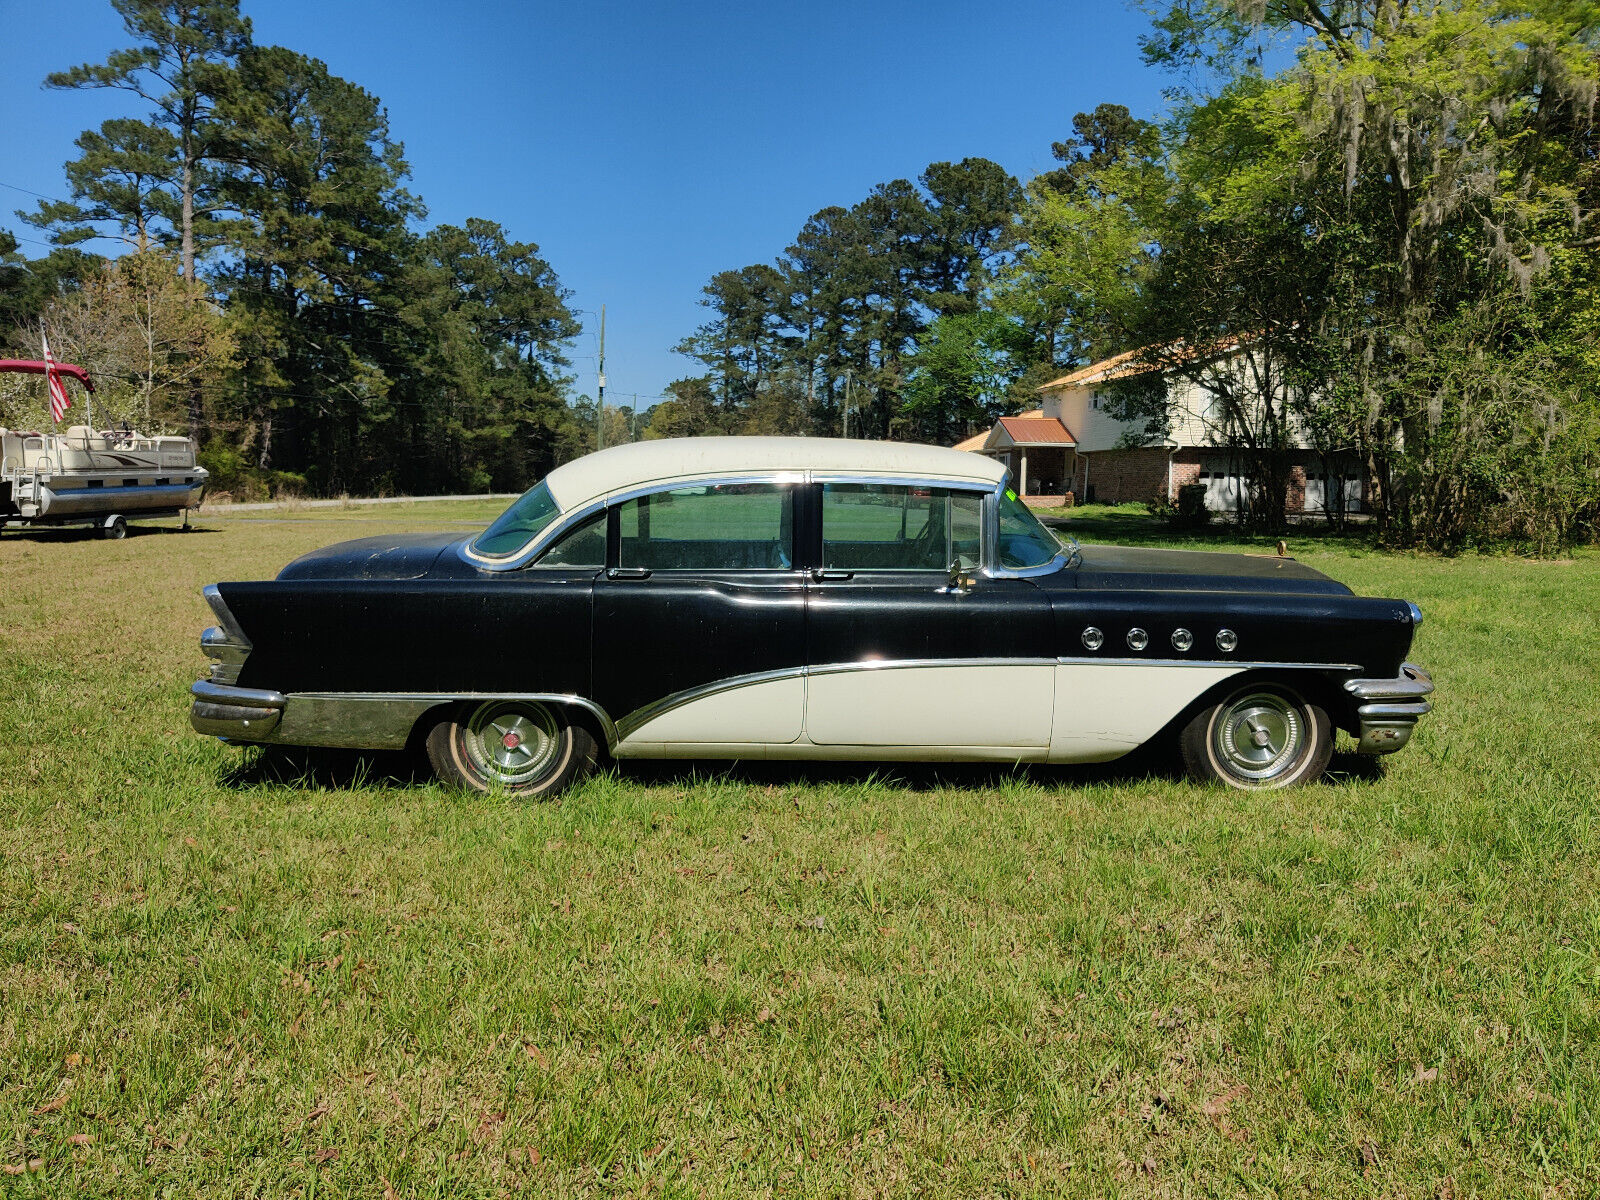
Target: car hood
(1136, 569)
(400, 556)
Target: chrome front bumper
(236, 713)
(1387, 710)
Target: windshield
(517, 526)
(1024, 542)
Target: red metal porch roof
(1037, 431)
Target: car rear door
(900, 655)
(699, 619)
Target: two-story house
(1073, 444)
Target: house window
(1094, 399)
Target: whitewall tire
(1262, 735)
(521, 748)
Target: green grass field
(227, 974)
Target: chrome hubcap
(1259, 737)
(512, 743)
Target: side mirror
(960, 579)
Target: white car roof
(641, 464)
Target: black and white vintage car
(796, 598)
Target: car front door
(699, 619)
(903, 651)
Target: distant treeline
(278, 302)
(1394, 236)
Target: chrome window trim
(909, 481)
(906, 482)
(991, 542)
(566, 521)
(467, 553)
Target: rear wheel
(521, 747)
(115, 528)
(1261, 736)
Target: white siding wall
(1193, 423)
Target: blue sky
(642, 146)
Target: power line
(31, 192)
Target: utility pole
(849, 385)
(600, 408)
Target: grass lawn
(229, 974)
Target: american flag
(59, 403)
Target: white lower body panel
(765, 712)
(1004, 705)
(1104, 710)
(964, 711)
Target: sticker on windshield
(1010, 495)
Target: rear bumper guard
(236, 713)
(1387, 710)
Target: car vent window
(1023, 541)
(730, 527)
(879, 527)
(584, 546)
(519, 524)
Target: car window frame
(807, 518)
(795, 488)
(951, 490)
(567, 528)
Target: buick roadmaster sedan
(798, 598)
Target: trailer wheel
(115, 528)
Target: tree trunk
(264, 454)
(188, 216)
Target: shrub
(1191, 511)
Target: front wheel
(520, 747)
(1262, 736)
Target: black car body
(801, 598)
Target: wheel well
(579, 714)
(1311, 686)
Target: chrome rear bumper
(1387, 710)
(236, 713)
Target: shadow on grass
(321, 769)
(91, 533)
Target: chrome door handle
(628, 573)
(820, 575)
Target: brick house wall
(1124, 476)
(1120, 476)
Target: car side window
(706, 527)
(891, 527)
(584, 546)
(1023, 541)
